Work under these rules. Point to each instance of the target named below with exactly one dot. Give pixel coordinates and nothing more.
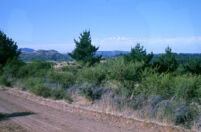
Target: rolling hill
(49, 55)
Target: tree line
(84, 53)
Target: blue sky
(114, 24)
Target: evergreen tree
(166, 62)
(8, 49)
(85, 51)
(139, 54)
(193, 66)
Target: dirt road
(25, 115)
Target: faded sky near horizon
(114, 24)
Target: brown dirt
(52, 116)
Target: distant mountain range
(27, 54)
(107, 54)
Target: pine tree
(85, 51)
(138, 53)
(166, 62)
(8, 49)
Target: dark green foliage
(87, 92)
(85, 51)
(37, 68)
(184, 58)
(9, 60)
(38, 87)
(157, 84)
(120, 70)
(187, 87)
(183, 115)
(183, 87)
(90, 92)
(4, 81)
(12, 67)
(161, 89)
(94, 75)
(71, 68)
(193, 66)
(166, 62)
(65, 79)
(58, 93)
(10, 71)
(8, 49)
(139, 54)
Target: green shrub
(86, 92)
(90, 92)
(58, 93)
(71, 68)
(4, 81)
(68, 98)
(12, 67)
(94, 75)
(185, 87)
(188, 87)
(193, 66)
(36, 86)
(120, 70)
(65, 79)
(166, 62)
(41, 90)
(158, 84)
(9, 71)
(37, 68)
(139, 54)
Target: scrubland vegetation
(161, 89)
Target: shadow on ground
(6, 116)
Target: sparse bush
(87, 92)
(38, 87)
(90, 92)
(58, 93)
